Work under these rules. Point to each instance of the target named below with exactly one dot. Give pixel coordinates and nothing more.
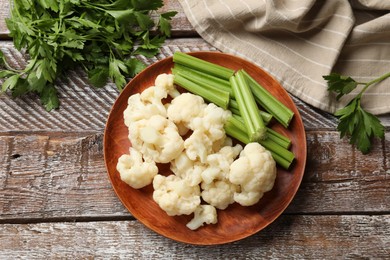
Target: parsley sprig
(102, 37)
(355, 122)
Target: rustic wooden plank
(4, 13)
(50, 177)
(339, 178)
(64, 177)
(181, 27)
(290, 237)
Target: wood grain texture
(181, 27)
(4, 13)
(64, 177)
(290, 237)
(55, 177)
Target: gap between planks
(122, 218)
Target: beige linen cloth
(299, 41)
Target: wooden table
(56, 199)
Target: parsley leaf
(98, 76)
(355, 122)
(10, 83)
(49, 97)
(340, 84)
(164, 22)
(102, 37)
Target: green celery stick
(202, 65)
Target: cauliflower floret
(198, 145)
(145, 105)
(188, 169)
(218, 164)
(134, 171)
(185, 107)
(255, 172)
(203, 214)
(211, 121)
(165, 81)
(219, 194)
(175, 195)
(156, 137)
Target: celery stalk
(272, 105)
(199, 76)
(233, 106)
(276, 148)
(279, 138)
(232, 129)
(274, 136)
(235, 111)
(202, 65)
(243, 109)
(209, 87)
(221, 99)
(235, 128)
(280, 160)
(248, 107)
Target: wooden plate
(234, 223)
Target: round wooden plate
(235, 222)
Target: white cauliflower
(211, 122)
(156, 137)
(165, 81)
(255, 172)
(204, 165)
(218, 164)
(185, 107)
(198, 146)
(145, 105)
(188, 169)
(203, 214)
(135, 171)
(219, 194)
(175, 195)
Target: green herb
(360, 125)
(102, 37)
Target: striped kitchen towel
(299, 41)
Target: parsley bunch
(102, 37)
(360, 125)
